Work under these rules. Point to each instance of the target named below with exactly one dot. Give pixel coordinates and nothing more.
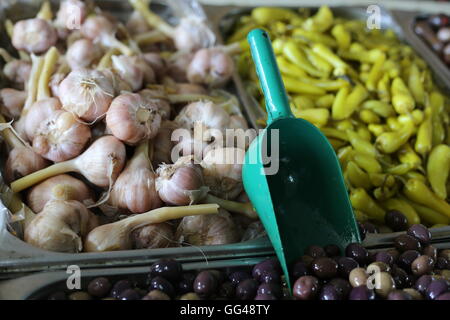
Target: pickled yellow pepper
(438, 168)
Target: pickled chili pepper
(361, 145)
(425, 135)
(369, 117)
(407, 155)
(369, 163)
(390, 142)
(415, 84)
(340, 67)
(427, 215)
(438, 167)
(375, 73)
(339, 105)
(356, 176)
(418, 192)
(402, 100)
(342, 36)
(437, 108)
(362, 201)
(296, 56)
(381, 108)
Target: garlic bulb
(181, 183)
(192, 34)
(207, 113)
(21, 162)
(134, 70)
(38, 112)
(153, 236)
(213, 229)
(86, 93)
(177, 65)
(253, 231)
(163, 144)
(132, 119)
(101, 163)
(82, 53)
(137, 24)
(134, 189)
(34, 35)
(54, 83)
(61, 226)
(60, 187)
(212, 67)
(116, 235)
(17, 71)
(222, 171)
(61, 137)
(71, 14)
(11, 102)
(157, 63)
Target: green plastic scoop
(291, 173)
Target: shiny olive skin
(270, 276)
(436, 288)
(400, 277)
(246, 289)
(205, 284)
(406, 258)
(362, 293)
(306, 288)
(385, 284)
(420, 232)
(445, 296)
(396, 220)
(99, 287)
(324, 268)
(329, 292)
(186, 283)
(343, 287)
(422, 265)
(357, 252)
(300, 269)
(129, 294)
(422, 283)
(227, 290)
(399, 295)
(162, 284)
(169, 269)
(346, 265)
(271, 264)
(430, 251)
(358, 277)
(120, 286)
(442, 263)
(238, 276)
(406, 242)
(273, 289)
(385, 257)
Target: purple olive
(270, 276)
(444, 296)
(436, 288)
(400, 278)
(442, 263)
(273, 289)
(430, 251)
(396, 220)
(99, 287)
(398, 295)
(306, 288)
(422, 283)
(420, 232)
(385, 257)
(357, 252)
(129, 294)
(406, 259)
(324, 268)
(362, 293)
(270, 264)
(246, 289)
(329, 292)
(205, 284)
(186, 283)
(405, 242)
(119, 287)
(169, 269)
(300, 269)
(343, 287)
(161, 284)
(238, 276)
(227, 290)
(346, 265)
(332, 250)
(422, 265)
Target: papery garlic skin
(95, 27)
(37, 113)
(212, 67)
(207, 113)
(61, 137)
(82, 53)
(86, 93)
(61, 226)
(158, 100)
(17, 71)
(157, 63)
(21, 162)
(72, 189)
(153, 236)
(192, 34)
(182, 183)
(34, 35)
(222, 171)
(177, 65)
(137, 24)
(103, 161)
(134, 70)
(55, 81)
(212, 229)
(132, 119)
(12, 102)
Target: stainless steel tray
(18, 257)
(407, 20)
(40, 285)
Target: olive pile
(435, 30)
(414, 269)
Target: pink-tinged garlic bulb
(61, 226)
(17, 71)
(37, 113)
(159, 100)
(212, 67)
(61, 137)
(137, 24)
(222, 171)
(177, 65)
(55, 81)
(132, 119)
(71, 15)
(11, 102)
(157, 63)
(22, 161)
(82, 53)
(181, 183)
(192, 34)
(134, 189)
(153, 236)
(212, 229)
(101, 163)
(190, 88)
(207, 113)
(86, 93)
(133, 70)
(60, 187)
(34, 35)
(163, 144)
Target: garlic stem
(5, 55)
(45, 12)
(179, 98)
(117, 235)
(32, 85)
(149, 37)
(50, 60)
(105, 61)
(152, 19)
(9, 136)
(233, 206)
(38, 176)
(112, 41)
(232, 48)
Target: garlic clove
(62, 187)
(192, 33)
(134, 70)
(204, 112)
(17, 71)
(181, 183)
(82, 53)
(61, 226)
(38, 112)
(12, 102)
(61, 137)
(22, 161)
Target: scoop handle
(277, 104)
